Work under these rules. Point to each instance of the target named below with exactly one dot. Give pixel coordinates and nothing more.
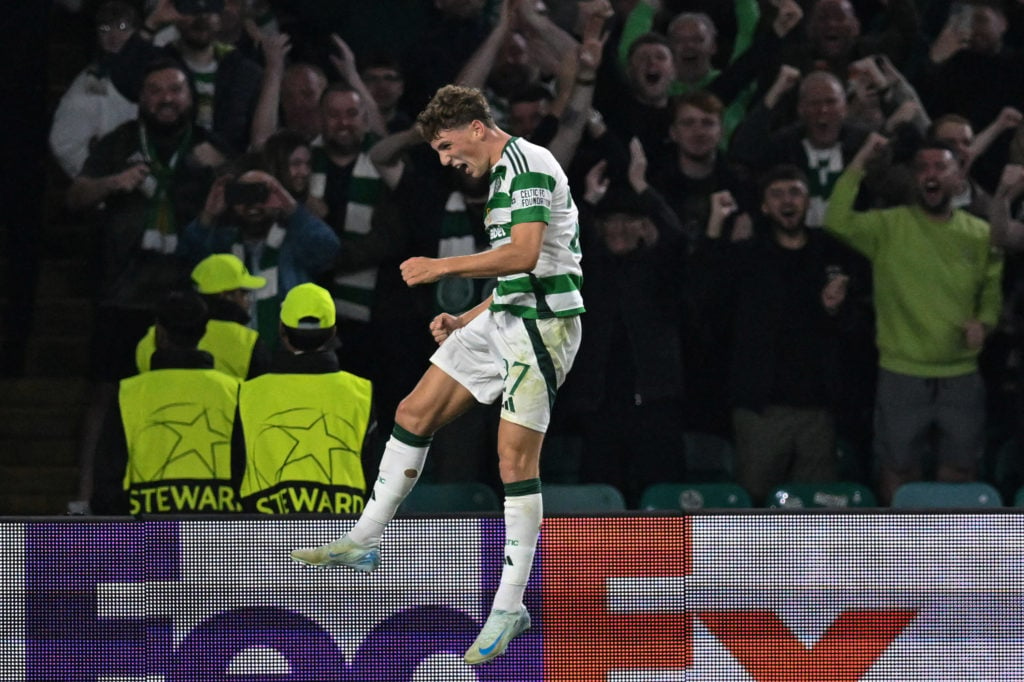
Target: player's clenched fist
(420, 270)
(443, 325)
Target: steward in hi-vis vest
(226, 287)
(168, 448)
(306, 423)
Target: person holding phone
(251, 214)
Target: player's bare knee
(517, 465)
(412, 416)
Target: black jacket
(764, 302)
(632, 324)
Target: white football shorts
(521, 361)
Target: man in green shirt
(937, 294)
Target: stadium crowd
(800, 222)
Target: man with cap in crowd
(307, 425)
(167, 449)
(225, 285)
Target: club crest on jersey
(497, 175)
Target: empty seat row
(470, 497)
(436, 498)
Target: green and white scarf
(161, 230)
(353, 292)
(456, 295)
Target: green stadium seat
(694, 496)
(939, 495)
(833, 495)
(441, 498)
(582, 498)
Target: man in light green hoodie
(937, 295)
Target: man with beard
(148, 177)
(227, 83)
(275, 235)
(781, 299)
(937, 294)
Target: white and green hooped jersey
(528, 185)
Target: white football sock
(400, 468)
(524, 510)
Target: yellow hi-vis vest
(177, 423)
(229, 343)
(304, 438)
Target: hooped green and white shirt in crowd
(528, 185)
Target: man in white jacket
(92, 106)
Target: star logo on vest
(314, 451)
(197, 444)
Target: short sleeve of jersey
(530, 197)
